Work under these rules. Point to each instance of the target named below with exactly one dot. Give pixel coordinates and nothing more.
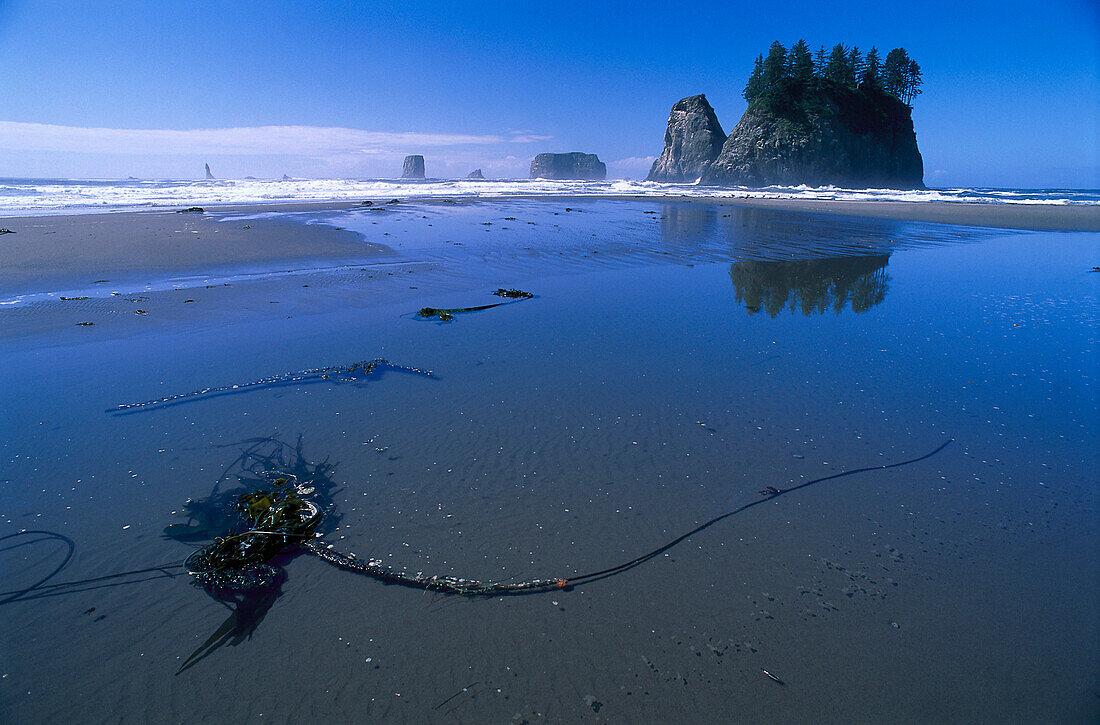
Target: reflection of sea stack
(208, 174)
(811, 286)
(413, 167)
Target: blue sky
(154, 89)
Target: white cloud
(634, 167)
(310, 141)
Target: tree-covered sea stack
(836, 117)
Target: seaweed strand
(472, 587)
(364, 367)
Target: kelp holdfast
(275, 518)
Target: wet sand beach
(68, 249)
(1039, 217)
(47, 249)
(921, 395)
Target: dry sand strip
(1035, 217)
(90, 247)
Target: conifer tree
(755, 86)
(775, 67)
(872, 70)
(913, 82)
(801, 63)
(836, 69)
(894, 70)
(821, 59)
(855, 66)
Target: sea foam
(62, 196)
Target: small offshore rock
(475, 174)
(573, 165)
(191, 210)
(6, 231)
(413, 168)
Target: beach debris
(1094, 269)
(773, 677)
(394, 201)
(191, 210)
(272, 519)
(464, 689)
(140, 312)
(6, 231)
(366, 203)
(446, 314)
(353, 371)
(447, 584)
(84, 324)
(72, 299)
(286, 517)
(515, 294)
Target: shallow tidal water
(676, 361)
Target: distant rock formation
(693, 140)
(287, 178)
(413, 168)
(574, 165)
(475, 174)
(831, 135)
(208, 174)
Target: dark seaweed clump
(513, 294)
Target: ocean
(51, 196)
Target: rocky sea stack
(828, 135)
(413, 168)
(693, 140)
(573, 165)
(838, 118)
(475, 174)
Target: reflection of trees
(813, 285)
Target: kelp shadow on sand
(264, 467)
